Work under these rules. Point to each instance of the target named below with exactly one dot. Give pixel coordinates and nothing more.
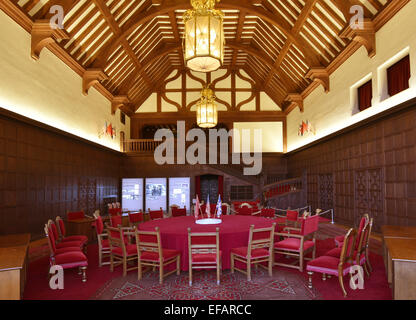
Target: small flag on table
(219, 207)
(197, 208)
(208, 208)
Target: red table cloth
(234, 232)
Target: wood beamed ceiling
(127, 48)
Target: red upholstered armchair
(259, 250)
(102, 237)
(66, 257)
(292, 218)
(62, 232)
(150, 253)
(76, 215)
(155, 214)
(121, 252)
(204, 252)
(340, 267)
(178, 212)
(298, 244)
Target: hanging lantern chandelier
(206, 109)
(203, 44)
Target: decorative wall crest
(306, 128)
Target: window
(398, 76)
(241, 193)
(122, 117)
(365, 95)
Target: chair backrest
(51, 240)
(260, 238)
(75, 215)
(136, 217)
(347, 250)
(118, 205)
(116, 239)
(246, 204)
(226, 208)
(61, 226)
(292, 215)
(116, 221)
(155, 214)
(363, 222)
(309, 225)
(110, 205)
(267, 212)
(204, 243)
(52, 228)
(364, 239)
(178, 212)
(114, 211)
(99, 225)
(148, 241)
(171, 208)
(244, 211)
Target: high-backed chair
(68, 257)
(65, 242)
(136, 218)
(114, 211)
(178, 212)
(155, 214)
(259, 250)
(226, 209)
(298, 244)
(120, 251)
(204, 252)
(335, 266)
(292, 217)
(102, 239)
(173, 206)
(244, 211)
(116, 221)
(62, 232)
(363, 221)
(76, 215)
(150, 253)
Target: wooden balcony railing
(140, 145)
(282, 187)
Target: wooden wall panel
(44, 174)
(373, 168)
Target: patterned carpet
(282, 286)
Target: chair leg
(271, 266)
(178, 265)
(301, 261)
(367, 261)
(161, 273)
(323, 277)
(366, 270)
(232, 263)
(111, 262)
(139, 269)
(124, 266)
(310, 273)
(100, 258)
(341, 282)
(84, 274)
(218, 273)
(248, 270)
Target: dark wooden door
(209, 185)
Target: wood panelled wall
(45, 173)
(369, 169)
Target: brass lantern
(203, 44)
(206, 109)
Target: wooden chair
(178, 212)
(114, 211)
(62, 232)
(173, 206)
(335, 266)
(259, 250)
(226, 209)
(298, 242)
(135, 219)
(120, 251)
(155, 214)
(150, 253)
(364, 220)
(102, 239)
(292, 218)
(64, 242)
(204, 252)
(67, 257)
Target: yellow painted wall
(49, 91)
(271, 134)
(335, 110)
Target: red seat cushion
(339, 241)
(256, 253)
(71, 259)
(69, 244)
(67, 249)
(327, 265)
(208, 258)
(82, 239)
(105, 244)
(131, 249)
(154, 256)
(293, 244)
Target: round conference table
(234, 232)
